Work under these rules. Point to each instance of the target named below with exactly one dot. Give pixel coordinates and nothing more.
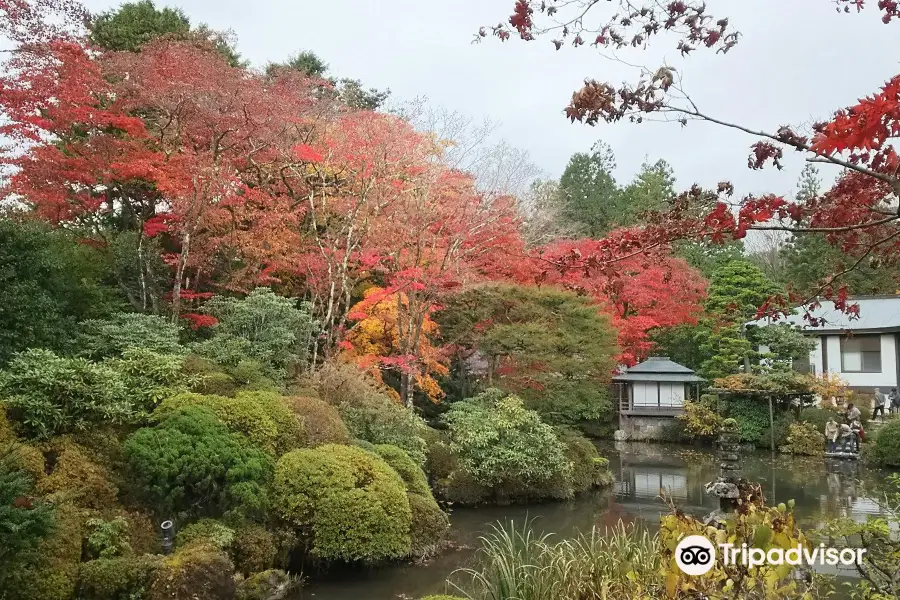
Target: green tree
(349, 92)
(48, 282)
(134, 24)
(810, 260)
(651, 190)
(737, 290)
(590, 196)
(549, 346)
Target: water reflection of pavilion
(641, 479)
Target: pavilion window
(861, 354)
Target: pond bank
(823, 489)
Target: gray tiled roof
(658, 368)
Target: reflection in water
(823, 489)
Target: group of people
(890, 402)
(850, 433)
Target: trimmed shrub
(369, 414)
(411, 474)
(461, 487)
(255, 549)
(7, 435)
(268, 585)
(78, 480)
(264, 418)
(143, 533)
(429, 524)
(23, 527)
(29, 460)
(205, 531)
(120, 578)
(346, 503)
(124, 331)
(582, 454)
(440, 461)
(322, 422)
(885, 449)
(804, 439)
(818, 417)
(47, 395)
(196, 572)
(498, 440)
(207, 377)
(192, 463)
(602, 475)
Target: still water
(823, 489)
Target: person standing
(880, 401)
(894, 399)
(852, 413)
(831, 434)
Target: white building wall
(815, 357)
(886, 379)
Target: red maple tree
(860, 214)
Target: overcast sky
(797, 61)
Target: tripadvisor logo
(696, 555)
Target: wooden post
(771, 425)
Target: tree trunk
(179, 275)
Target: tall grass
(517, 564)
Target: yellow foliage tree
(374, 343)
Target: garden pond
(822, 489)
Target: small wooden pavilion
(651, 394)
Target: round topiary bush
(346, 503)
(429, 523)
(411, 474)
(370, 414)
(322, 422)
(197, 572)
(205, 531)
(500, 442)
(885, 449)
(582, 453)
(192, 463)
(52, 571)
(255, 549)
(263, 417)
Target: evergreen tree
(590, 195)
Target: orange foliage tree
(374, 343)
